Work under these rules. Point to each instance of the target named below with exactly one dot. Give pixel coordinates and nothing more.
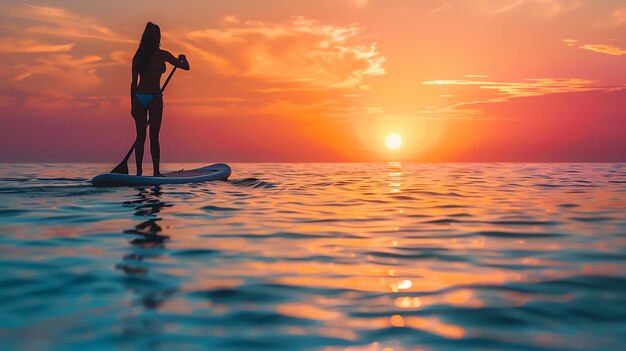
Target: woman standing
(146, 97)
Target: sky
(321, 81)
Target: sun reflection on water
(394, 179)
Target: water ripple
(317, 257)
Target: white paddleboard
(218, 171)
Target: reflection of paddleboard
(218, 171)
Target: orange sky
(324, 80)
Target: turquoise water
(317, 257)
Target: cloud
(449, 113)
(49, 53)
(537, 8)
(570, 42)
(600, 48)
(605, 49)
(62, 70)
(47, 74)
(123, 57)
(302, 51)
(298, 64)
(299, 67)
(532, 87)
(59, 22)
(14, 45)
(497, 92)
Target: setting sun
(393, 141)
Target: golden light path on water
(328, 256)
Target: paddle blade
(122, 168)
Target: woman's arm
(180, 62)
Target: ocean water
(316, 257)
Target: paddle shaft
(168, 79)
(132, 148)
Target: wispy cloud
(599, 48)
(605, 49)
(56, 59)
(498, 92)
(14, 45)
(296, 67)
(64, 70)
(570, 42)
(50, 48)
(59, 22)
(537, 8)
(299, 63)
(449, 113)
(314, 55)
(532, 87)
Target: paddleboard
(218, 171)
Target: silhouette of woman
(146, 98)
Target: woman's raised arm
(180, 62)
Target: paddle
(122, 168)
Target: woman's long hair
(149, 44)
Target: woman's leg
(156, 115)
(140, 115)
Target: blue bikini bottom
(145, 99)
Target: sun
(393, 141)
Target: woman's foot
(158, 174)
(139, 173)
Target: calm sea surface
(317, 257)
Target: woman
(146, 98)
